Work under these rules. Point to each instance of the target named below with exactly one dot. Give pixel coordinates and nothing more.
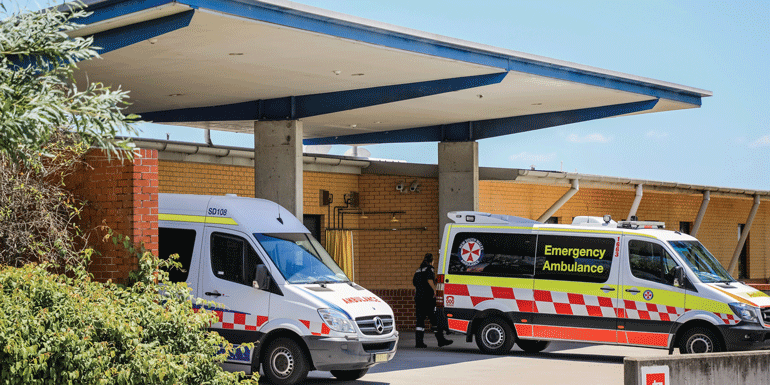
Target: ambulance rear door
(650, 302)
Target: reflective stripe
(196, 219)
(458, 325)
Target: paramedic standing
(424, 281)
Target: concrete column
(278, 163)
(458, 179)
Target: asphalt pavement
(463, 363)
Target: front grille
(368, 325)
(378, 347)
(766, 316)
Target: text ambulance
(508, 279)
(277, 286)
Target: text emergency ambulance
(279, 288)
(508, 279)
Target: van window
(300, 258)
(233, 259)
(493, 254)
(651, 262)
(566, 258)
(177, 241)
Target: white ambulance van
(508, 279)
(275, 286)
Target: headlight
(336, 320)
(744, 312)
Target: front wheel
(699, 340)
(494, 336)
(349, 375)
(532, 346)
(284, 362)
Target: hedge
(56, 329)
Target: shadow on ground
(408, 358)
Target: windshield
(300, 258)
(702, 263)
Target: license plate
(381, 357)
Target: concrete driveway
(462, 363)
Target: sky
(722, 47)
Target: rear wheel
(699, 340)
(494, 336)
(349, 375)
(532, 346)
(284, 362)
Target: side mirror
(262, 280)
(678, 276)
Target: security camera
(415, 187)
(400, 187)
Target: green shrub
(56, 329)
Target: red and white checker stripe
(554, 302)
(316, 328)
(650, 311)
(238, 321)
(729, 319)
(468, 296)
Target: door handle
(213, 293)
(633, 290)
(608, 289)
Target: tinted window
(651, 262)
(177, 241)
(490, 254)
(563, 258)
(233, 259)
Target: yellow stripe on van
(576, 287)
(694, 302)
(516, 283)
(196, 219)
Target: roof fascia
(295, 18)
(124, 36)
(110, 9)
(483, 129)
(298, 107)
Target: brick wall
(205, 179)
(387, 259)
(124, 197)
(718, 232)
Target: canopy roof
(222, 64)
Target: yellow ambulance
(506, 280)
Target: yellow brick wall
(388, 259)
(718, 231)
(205, 179)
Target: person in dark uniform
(424, 281)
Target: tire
(494, 336)
(284, 362)
(532, 346)
(349, 375)
(699, 340)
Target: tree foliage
(38, 93)
(56, 329)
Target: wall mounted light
(415, 187)
(394, 219)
